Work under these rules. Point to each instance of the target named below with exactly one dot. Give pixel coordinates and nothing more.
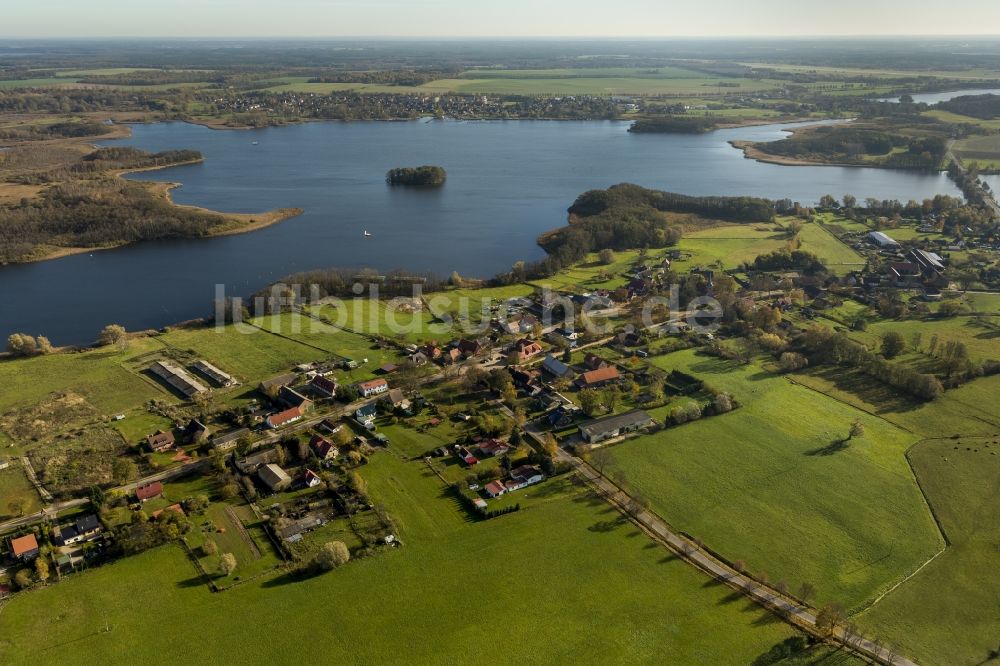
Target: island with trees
(674, 125)
(422, 176)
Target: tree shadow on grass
(834, 447)
(605, 526)
(289, 578)
(730, 598)
(194, 581)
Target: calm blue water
(507, 182)
(934, 98)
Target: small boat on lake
(367, 233)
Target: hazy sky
(333, 18)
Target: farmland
(777, 484)
(370, 607)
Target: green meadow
(524, 587)
(775, 484)
(948, 612)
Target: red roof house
(149, 491)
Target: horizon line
(795, 37)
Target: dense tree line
(823, 346)
(153, 78)
(781, 260)
(984, 107)
(65, 130)
(393, 77)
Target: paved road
(656, 527)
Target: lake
(934, 98)
(508, 181)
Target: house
(294, 530)
(471, 348)
(882, 241)
(388, 368)
(495, 488)
(525, 349)
(466, 456)
(373, 387)
(599, 377)
(85, 528)
(270, 386)
(195, 431)
(431, 351)
(628, 339)
(524, 476)
(274, 477)
(283, 418)
(525, 379)
(560, 417)
(218, 376)
(4, 463)
(324, 386)
(330, 426)
(24, 548)
(251, 463)
(904, 273)
(311, 479)
(593, 362)
(289, 397)
(555, 367)
(366, 413)
(160, 441)
(227, 441)
(419, 358)
(491, 448)
(177, 378)
(396, 398)
(479, 503)
(519, 324)
(599, 430)
(323, 448)
(453, 355)
(149, 491)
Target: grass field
(456, 591)
(774, 484)
(97, 375)
(948, 613)
(980, 335)
(949, 117)
(14, 487)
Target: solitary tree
(606, 256)
(892, 344)
(806, 592)
(23, 579)
(113, 334)
(21, 344)
(330, 556)
(227, 564)
(857, 430)
(829, 617)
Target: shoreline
(752, 152)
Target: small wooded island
(422, 176)
(673, 125)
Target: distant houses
(520, 477)
(292, 398)
(609, 427)
(556, 368)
